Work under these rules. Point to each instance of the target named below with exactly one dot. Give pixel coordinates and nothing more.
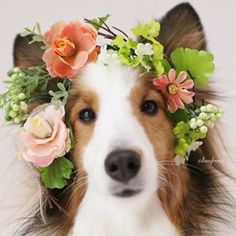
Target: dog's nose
(122, 165)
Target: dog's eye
(149, 107)
(87, 115)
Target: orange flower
(70, 47)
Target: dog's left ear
(181, 27)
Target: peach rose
(45, 136)
(70, 47)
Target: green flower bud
(15, 107)
(193, 120)
(215, 109)
(12, 114)
(219, 115)
(193, 125)
(213, 117)
(203, 129)
(23, 106)
(203, 108)
(14, 76)
(182, 141)
(210, 107)
(200, 123)
(21, 96)
(17, 120)
(16, 70)
(203, 116)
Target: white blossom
(144, 49)
(108, 57)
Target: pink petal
(172, 107)
(171, 76)
(188, 84)
(53, 32)
(87, 28)
(80, 60)
(49, 57)
(181, 77)
(63, 70)
(72, 31)
(44, 162)
(161, 83)
(86, 43)
(178, 101)
(186, 96)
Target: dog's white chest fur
(100, 219)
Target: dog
(125, 182)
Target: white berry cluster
(206, 116)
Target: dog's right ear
(181, 27)
(25, 54)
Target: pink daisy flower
(175, 89)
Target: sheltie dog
(126, 183)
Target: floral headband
(68, 47)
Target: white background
(218, 18)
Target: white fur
(101, 213)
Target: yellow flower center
(40, 127)
(172, 89)
(65, 47)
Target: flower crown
(68, 47)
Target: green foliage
(185, 136)
(148, 31)
(200, 64)
(126, 50)
(99, 22)
(20, 89)
(35, 32)
(60, 95)
(57, 174)
(179, 115)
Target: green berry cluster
(20, 88)
(196, 129)
(206, 116)
(14, 102)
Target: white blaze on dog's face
(121, 132)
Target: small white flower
(108, 57)
(144, 49)
(179, 160)
(194, 146)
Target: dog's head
(124, 145)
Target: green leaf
(25, 33)
(98, 23)
(148, 31)
(57, 174)
(38, 28)
(200, 64)
(166, 65)
(179, 115)
(38, 38)
(181, 129)
(126, 50)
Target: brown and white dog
(126, 183)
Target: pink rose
(70, 47)
(45, 136)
